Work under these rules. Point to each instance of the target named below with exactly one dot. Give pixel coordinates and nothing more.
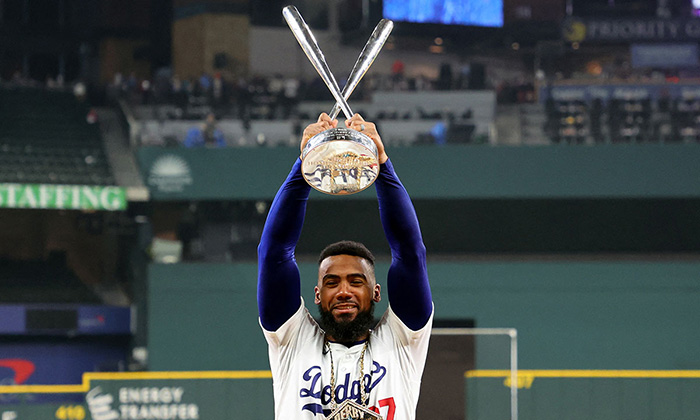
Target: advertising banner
(213, 395)
(630, 30)
(53, 362)
(664, 55)
(622, 91)
(88, 319)
(62, 197)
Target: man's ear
(317, 295)
(377, 293)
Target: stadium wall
(602, 171)
(569, 315)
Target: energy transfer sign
(62, 197)
(178, 395)
(202, 395)
(141, 403)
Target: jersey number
(386, 402)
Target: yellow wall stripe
(266, 374)
(585, 373)
(114, 376)
(42, 389)
(214, 374)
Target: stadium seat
(47, 140)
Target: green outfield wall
(448, 172)
(585, 395)
(569, 315)
(218, 395)
(239, 395)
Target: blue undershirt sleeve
(408, 287)
(279, 283)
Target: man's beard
(347, 331)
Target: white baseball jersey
(301, 368)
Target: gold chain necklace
(349, 409)
(363, 392)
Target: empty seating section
(686, 115)
(38, 281)
(567, 121)
(623, 120)
(404, 118)
(45, 138)
(629, 120)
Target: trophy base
(340, 161)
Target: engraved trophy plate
(340, 160)
(350, 410)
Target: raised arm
(408, 287)
(279, 283)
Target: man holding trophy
(344, 366)
(346, 359)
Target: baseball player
(345, 365)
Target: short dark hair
(356, 249)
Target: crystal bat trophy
(340, 160)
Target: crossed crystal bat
(308, 43)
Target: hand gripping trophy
(340, 160)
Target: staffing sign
(62, 197)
